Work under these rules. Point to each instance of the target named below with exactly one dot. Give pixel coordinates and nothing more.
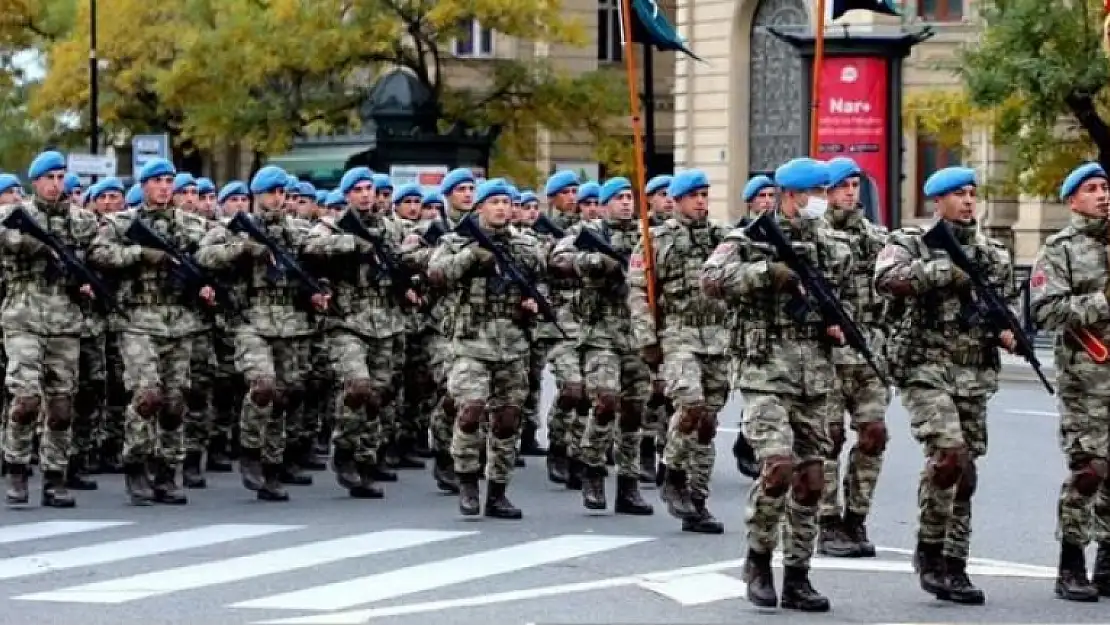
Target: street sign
(91, 165)
(145, 148)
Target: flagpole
(640, 178)
(815, 89)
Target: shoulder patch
(636, 261)
(412, 239)
(1038, 279)
(888, 252)
(724, 249)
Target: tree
(1037, 79)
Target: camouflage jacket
(866, 240)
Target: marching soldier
(945, 363)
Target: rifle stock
(588, 241)
(544, 225)
(401, 279)
(243, 223)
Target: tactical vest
(39, 273)
(679, 297)
(160, 285)
(608, 299)
(273, 287)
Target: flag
(651, 26)
(840, 7)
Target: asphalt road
(410, 559)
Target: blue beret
(134, 195)
(842, 168)
(85, 198)
(406, 190)
(560, 180)
(432, 197)
(70, 182)
(1078, 176)
(755, 185)
(612, 187)
(948, 180)
(306, 188)
(205, 185)
(656, 184)
(92, 193)
(528, 197)
(231, 189)
(354, 176)
(46, 162)
(492, 188)
(182, 180)
(454, 178)
(335, 199)
(515, 194)
(104, 186)
(8, 182)
(321, 197)
(589, 190)
(291, 183)
(686, 182)
(155, 168)
(802, 174)
(269, 178)
(382, 181)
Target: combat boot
(444, 473)
(855, 529)
(137, 483)
(366, 488)
(629, 500)
(610, 457)
(760, 580)
(76, 478)
(958, 584)
(746, 461)
(17, 494)
(518, 462)
(704, 522)
(191, 477)
(343, 465)
(381, 469)
(272, 490)
(529, 444)
(421, 447)
(166, 489)
(677, 496)
(250, 468)
(406, 455)
(1101, 577)
(928, 562)
(575, 468)
(292, 472)
(593, 488)
(307, 458)
(109, 457)
(54, 491)
(832, 539)
(798, 593)
(498, 505)
(557, 464)
(218, 460)
(647, 460)
(1071, 575)
(470, 503)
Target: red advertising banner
(852, 118)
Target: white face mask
(814, 209)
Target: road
(410, 559)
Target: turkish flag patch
(636, 261)
(1038, 279)
(412, 239)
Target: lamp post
(94, 112)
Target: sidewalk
(1015, 369)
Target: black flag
(840, 7)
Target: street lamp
(94, 113)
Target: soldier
(1068, 297)
(786, 375)
(489, 370)
(134, 196)
(523, 217)
(617, 380)
(72, 188)
(206, 198)
(269, 348)
(688, 345)
(42, 324)
(945, 364)
(109, 200)
(657, 415)
(860, 392)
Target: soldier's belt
(271, 298)
(796, 333)
(963, 358)
(154, 297)
(39, 287)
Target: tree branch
(1082, 106)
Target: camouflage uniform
(41, 322)
(88, 405)
(489, 370)
(111, 434)
(946, 369)
(155, 345)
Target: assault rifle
(469, 228)
(544, 225)
(434, 233)
(65, 260)
(190, 273)
(588, 241)
(401, 279)
(243, 223)
(818, 295)
(992, 309)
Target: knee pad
(707, 427)
(605, 407)
(808, 482)
(872, 438)
(775, 474)
(836, 435)
(450, 408)
(25, 410)
(570, 395)
(690, 417)
(632, 415)
(263, 391)
(1088, 474)
(946, 465)
(148, 402)
(506, 422)
(356, 393)
(59, 414)
(470, 417)
(173, 411)
(969, 481)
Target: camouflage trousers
(419, 396)
(938, 421)
(228, 387)
(364, 371)
(566, 424)
(116, 397)
(618, 384)
(156, 374)
(393, 427)
(864, 398)
(88, 405)
(320, 394)
(274, 371)
(692, 381)
(445, 410)
(41, 379)
(1083, 513)
(538, 353)
(791, 429)
(200, 416)
(301, 418)
(483, 389)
